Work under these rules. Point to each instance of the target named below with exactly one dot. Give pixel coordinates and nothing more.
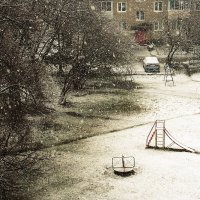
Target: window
(121, 7)
(178, 4)
(158, 6)
(106, 6)
(158, 26)
(176, 24)
(140, 15)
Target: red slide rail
(151, 134)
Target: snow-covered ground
(84, 169)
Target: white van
(151, 65)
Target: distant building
(146, 19)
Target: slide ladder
(158, 133)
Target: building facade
(146, 19)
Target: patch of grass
(63, 182)
(102, 102)
(47, 122)
(107, 92)
(118, 82)
(111, 106)
(78, 115)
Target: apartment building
(146, 19)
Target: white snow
(84, 167)
(151, 60)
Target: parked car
(151, 65)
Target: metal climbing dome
(169, 72)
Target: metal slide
(159, 125)
(178, 143)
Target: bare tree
(92, 44)
(20, 90)
(70, 32)
(181, 33)
(174, 39)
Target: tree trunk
(75, 79)
(60, 70)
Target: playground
(160, 138)
(84, 168)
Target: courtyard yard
(83, 169)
